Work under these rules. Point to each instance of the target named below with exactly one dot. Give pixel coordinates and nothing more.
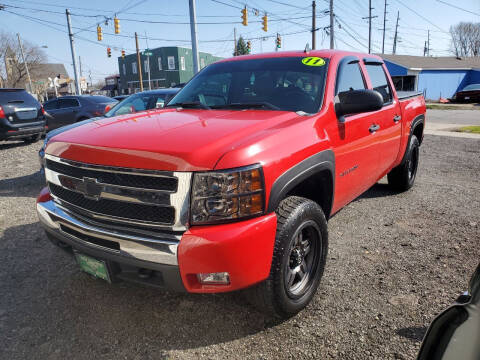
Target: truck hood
(169, 139)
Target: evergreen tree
(241, 47)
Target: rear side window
(349, 78)
(379, 81)
(67, 103)
(51, 105)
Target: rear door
(357, 154)
(388, 118)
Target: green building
(169, 66)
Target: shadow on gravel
(413, 333)
(48, 302)
(10, 145)
(22, 186)
(377, 190)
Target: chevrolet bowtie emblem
(90, 188)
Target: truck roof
(324, 53)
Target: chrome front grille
(132, 198)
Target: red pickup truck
(232, 184)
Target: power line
(422, 17)
(458, 7)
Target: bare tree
(12, 68)
(465, 39)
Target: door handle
(373, 128)
(397, 118)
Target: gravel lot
(395, 261)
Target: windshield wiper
(253, 105)
(190, 105)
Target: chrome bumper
(57, 220)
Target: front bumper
(243, 249)
(18, 131)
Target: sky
(166, 23)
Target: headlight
(226, 195)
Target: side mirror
(357, 101)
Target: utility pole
(428, 43)
(425, 49)
(139, 66)
(396, 35)
(80, 65)
(332, 28)
(370, 17)
(234, 41)
(384, 24)
(193, 30)
(313, 23)
(72, 48)
(24, 62)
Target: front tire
(298, 262)
(403, 176)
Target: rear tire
(403, 176)
(299, 257)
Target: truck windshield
(282, 84)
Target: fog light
(220, 278)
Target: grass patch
(470, 129)
(453, 107)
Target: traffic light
(123, 54)
(99, 33)
(249, 46)
(265, 23)
(116, 24)
(109, 52)
(279, 41)
(244, 16)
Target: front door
(357, 153)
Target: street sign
(147, 52)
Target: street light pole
(139, 66)
(72, 48)
(193, 30)
(24, 62)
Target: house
(169, 66)
(112, 85)
(436, 77)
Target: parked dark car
(70, 109)
(21, 116)
(455, 333)
(470, 93)
(145, 100)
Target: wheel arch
(312, 178)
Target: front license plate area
(467, 97)
(92, 266)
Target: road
(395, 260)
(459, 117)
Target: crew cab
(231, 185)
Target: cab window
(349, 78)
(379, 81)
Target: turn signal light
(220, 278)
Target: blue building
(435, 76)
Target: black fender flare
(324, 160)
(420, 119)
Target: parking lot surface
(395, 261)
